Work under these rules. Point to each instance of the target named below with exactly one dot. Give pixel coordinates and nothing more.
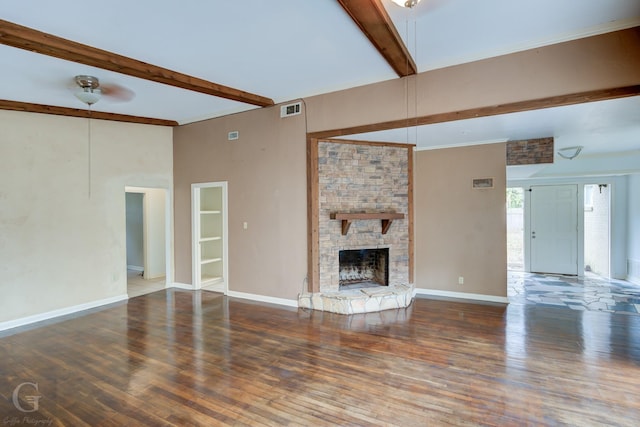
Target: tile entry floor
(138, 285)
(590, 292)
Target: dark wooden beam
(76, 112)
(375, 23)
(313, 217)
(47, 44)
(493, 110)
(372, 143)
(410, 216)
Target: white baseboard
(264, 298)
(179, 286)
(462, 295)
(633, 279)
(135, 268)
(242, 295)
(216, 287)
(60, 312)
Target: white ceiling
(289, 49)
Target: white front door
(554, 229)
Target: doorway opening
(515, 228)
(597, 209)
(147, 239)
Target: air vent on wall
(290, 110)
(233, 135)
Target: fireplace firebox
(360, 268)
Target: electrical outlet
(460, 280)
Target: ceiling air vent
(290, 110)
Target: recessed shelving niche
(209, 226)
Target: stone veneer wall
(530, 151)
(362, 178)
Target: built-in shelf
(210, 260)
(209, 201)
(386, 219)
(208, 280)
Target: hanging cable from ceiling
(411, 17)
(416, 76)
(89, 151)
(89, 93)
(406, 82)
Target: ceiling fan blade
(116, 92)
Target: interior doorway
(147, 235)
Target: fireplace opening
(361, 268)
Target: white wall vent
(291, 109)
(233, 135)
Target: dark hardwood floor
(197, 358)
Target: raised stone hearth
(364, 300)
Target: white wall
(597, 230)
(633, 217)
(135, 234)
(154, 232)
(61, 248)
(618, 220)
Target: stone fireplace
(363, 204)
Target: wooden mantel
(386, 218)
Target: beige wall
(599, 62)
(59, 247)
(461, 231)
(266, 174)
(266, 167)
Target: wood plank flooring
(180, 358)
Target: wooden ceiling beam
(84, 113)
(493, 110)
(47, 44)
(375, 23)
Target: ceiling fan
(89, 90)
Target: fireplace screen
(364, 267)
